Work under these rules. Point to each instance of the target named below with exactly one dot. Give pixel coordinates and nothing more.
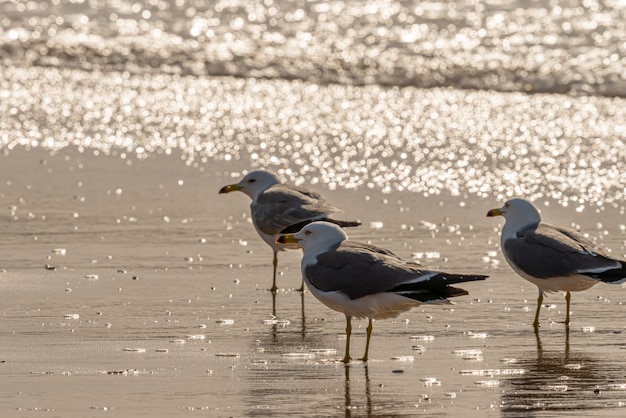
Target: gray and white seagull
(364, 281)
(278, 208)
(553, 258)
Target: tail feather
(450, 278)
(612, 276)
(343, 224)
(437, 287)
(435, 295)
(292, 229)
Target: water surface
(159, 302)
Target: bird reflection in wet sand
(277, 324)
(540, 346)
(350, 405)
(561, 380)
(364, 281)
(278, 208)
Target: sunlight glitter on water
(162, 316)
(428, 142)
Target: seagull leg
(568, 297)
(302, 285)
(346, 357)
(539, 302)
(539, 346)
(367, 342)
(275, 262)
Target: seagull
(553, 258)
(281, 208)
(365, 281)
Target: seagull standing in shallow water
(364, 281)
(278, 208)
(553, 258)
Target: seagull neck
(255, 197)
(310, 256)
(511, 230)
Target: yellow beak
(230, 188)
(287, 239)
(495, 212)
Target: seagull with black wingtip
(364, 281)
(551, 257)
(279, 208)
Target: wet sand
(130, 287)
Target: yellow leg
(539, 302)
(568, 298)
(346, 357)
(367, 342)
(302, 285)
(275, 262)
(539, 346)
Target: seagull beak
(495, 212)
(230, 188)
(287, 239)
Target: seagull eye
(506, 205)
(307, 232)
(251, 180)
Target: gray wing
(282, 206)
(359, 270)
(550, 251)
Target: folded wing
(550, 251)
(360, 270)
(282, 206)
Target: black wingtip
(343, 224)
(612, 276)
(463, 277)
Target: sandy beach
(130, 287)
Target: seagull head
(253, 184)
(519, 213)
(316, 237)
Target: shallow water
(159, 304)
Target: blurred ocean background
(576, 47)
(484, 98)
